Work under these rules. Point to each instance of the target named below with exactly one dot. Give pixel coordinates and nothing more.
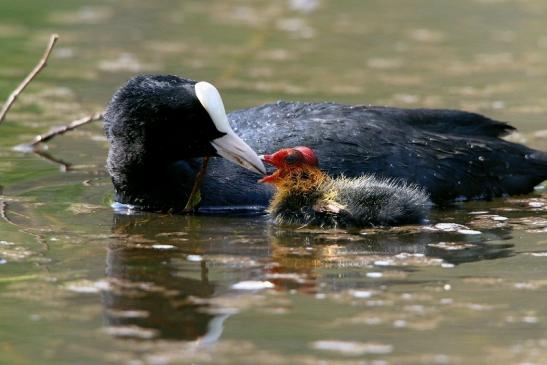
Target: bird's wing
(444, 121)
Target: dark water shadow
(148, 287)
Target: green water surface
(81, 284)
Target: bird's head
(168, 118)
(293, 166)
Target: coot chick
(159, 128)
(307, 196)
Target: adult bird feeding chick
(160, 127)
(307, 196)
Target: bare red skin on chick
(289, 159)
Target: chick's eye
(292, 159)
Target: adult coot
(307, 196)
(159, 127)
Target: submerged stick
(194, 198)
(41, 64)
(3, 212)
(63, 165)
(42, 138)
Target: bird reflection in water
(155, 285)
(152, 289)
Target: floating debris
(489, 221)
(384, 262)
(479, 307)
(127, 313)
(374, 275)
(10, 251)
(88, 287)
(536, 224)
(530, 319)
(449, 227)
(131, 331)
(296, 26)
(447, 265)
(361, 294)
(253, 285)
(450, 246)
(525, 286)
(352, 348)
(452, 227)
(468, 231)
(534, 203)
(194, 258)
(304, 6)
(163, 247)
(399, 323)
(297, 278)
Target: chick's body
(307, 196)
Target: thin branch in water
(4, 215)
(41, 64)
(63, 165)
(3, 212)
(195, 197)
(43, 138)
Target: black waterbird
(159, 128)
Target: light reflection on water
(81, 283)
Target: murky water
(80, 284)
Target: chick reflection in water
(160, 282)
(152, 287)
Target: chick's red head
(288, 159)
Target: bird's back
(452, 154)
(366, 201)
(374, 201)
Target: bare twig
(41, 64)
(3, 212)
(63, 165)
(4, 215)
(42, 138)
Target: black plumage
(157, 128)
